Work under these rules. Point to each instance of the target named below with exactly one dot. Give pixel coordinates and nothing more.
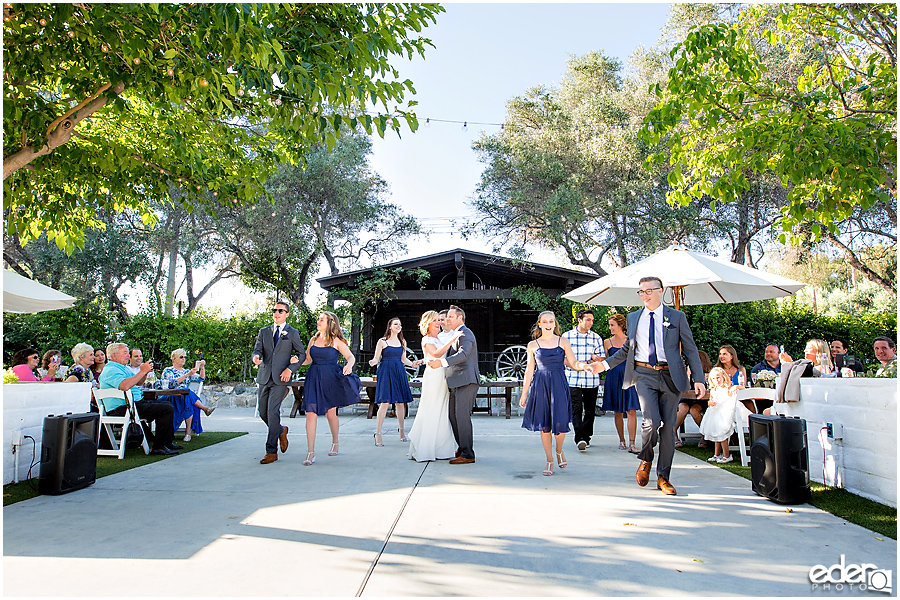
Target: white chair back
(108, 421)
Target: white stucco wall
(24, 407)
(864, 411)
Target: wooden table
(416, 387)
(154, 394)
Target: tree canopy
(565, 172)
(106, 105)
(807, 92)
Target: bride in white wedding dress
(431, 437)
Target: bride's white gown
(431, 437)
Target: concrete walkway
(370, 522)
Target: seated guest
(135, 360)
(695, 406)
(770, 361)
(819, 354)
(187, 408)
(52, 358)
(25, 363)
(116, 375)
(816, 362)
(840, 348)
(99, 363)
(885, 353)
(83, 357)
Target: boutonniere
(284, 334)
(666, 323)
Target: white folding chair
(107, 422)
(741, 426)
(196, 387)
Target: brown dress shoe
(268, 458)
(461, 460)
(643, 473)
(283, 441)
(667, 488)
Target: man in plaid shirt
(583, 385)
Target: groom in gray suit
(272, 354)
(657, 335)
(463, 380)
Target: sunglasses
(278, 310)
(36, 357)
(182, 357)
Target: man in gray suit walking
(272, 354)
(657, 335)
(463, 380)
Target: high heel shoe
(310, 458)
(378, 442)
(549, 469)
(334, 449)
(403, 437)
(210, 411)
(561, 459)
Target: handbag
(135, 431)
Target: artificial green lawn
(108, 465)
(841, 503)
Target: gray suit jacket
(677, 337)
(462, 362)
(277, 358)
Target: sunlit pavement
(371, 522)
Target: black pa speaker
(779, 460)
(68, 453)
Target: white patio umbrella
(23, 295)
(694, 278)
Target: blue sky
(484, 55)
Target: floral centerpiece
(766, 379)
(10, 377)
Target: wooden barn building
(481, 284)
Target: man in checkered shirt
(583, 385)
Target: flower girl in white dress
(431, 437)
(718, 421)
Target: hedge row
(226, 344)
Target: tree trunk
(173, 263)
(857, 264)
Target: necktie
(275, 337)
(652, 358)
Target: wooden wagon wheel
(512, 362)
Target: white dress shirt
(642, 336)
(455, 344)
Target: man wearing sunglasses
(657, 336)
(275, 345)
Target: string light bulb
(104, 48)
(43, 22)
(427, 122)
(137, 61)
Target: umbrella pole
(678, 292)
